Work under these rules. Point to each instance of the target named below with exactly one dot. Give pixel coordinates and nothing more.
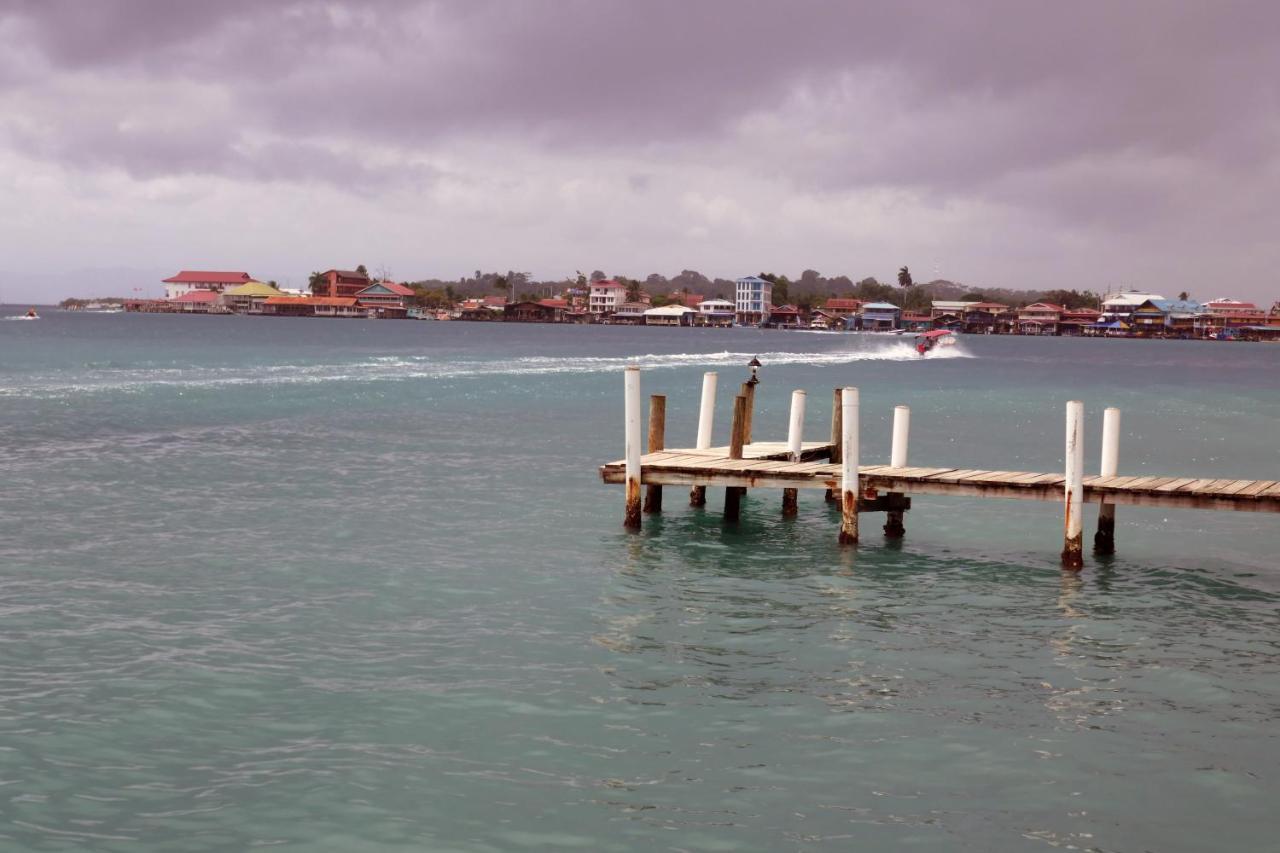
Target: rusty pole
(631, 413)
(749, 392)
(1073, 491)
(849, 467)
(836, 437)
(737, 440)
(657, 441)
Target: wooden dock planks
(765, 465)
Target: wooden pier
(834, 466)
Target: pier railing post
(836, 436)
(1104, 541)
(631, 414)
(1073, 492)
(849, 466)
(737, 441)
(706, 411)
(657, 441)
(893, 526)
(795, 447)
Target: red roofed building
(313, 306)
(195, 301)
(387, 298)
(842, 306)
(688, 300)
(784, 315)
(1040, 318)
(213, 280)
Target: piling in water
(657, 439)
(737, 441)
(849, 466)
(795, 446)
(1104, 541)
(631, 414)
(1073, 489)
(836, 437)
(706, 411)
(893, 521)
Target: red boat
(929, 340)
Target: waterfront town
(355, 294)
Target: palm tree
(904, 278)
(317, 283)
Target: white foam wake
(388, 368)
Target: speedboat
(925, 343)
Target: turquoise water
(351, 585)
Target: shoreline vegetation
(811, 301)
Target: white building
(1120, 306)
(715, 312)
(669, 315)
(187, 281)
(754, 299)
(606, 296)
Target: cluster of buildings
(346, 293)
(342, 293)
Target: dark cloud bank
(1158, 118)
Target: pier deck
(764, 465)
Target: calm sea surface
(352, 585)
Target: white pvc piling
(631, 413)
(849, 466)
(795, 447)
(1104, 541)
(707, 410)
(706, 413)
(795, 432)
(1073, 490)
(901, 427)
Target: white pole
(795, 433)
(631, 411)
(901, 427)
(1110, 442)
(849, 466)
(795, 446)
(707, 410)
(1073, 493)
(1104, 541)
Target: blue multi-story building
(754, 299)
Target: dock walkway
(834, 465)
(766, 465)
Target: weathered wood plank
(1176, 484)
(1256, 487)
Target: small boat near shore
(925, 343)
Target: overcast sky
(1019, 144)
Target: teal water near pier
(356, 585)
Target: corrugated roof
(208, 277)
(336, 301)
(253, 288)
(197, 296)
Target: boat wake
(392, 368)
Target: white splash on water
(388, 368)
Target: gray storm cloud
(1115, 127)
